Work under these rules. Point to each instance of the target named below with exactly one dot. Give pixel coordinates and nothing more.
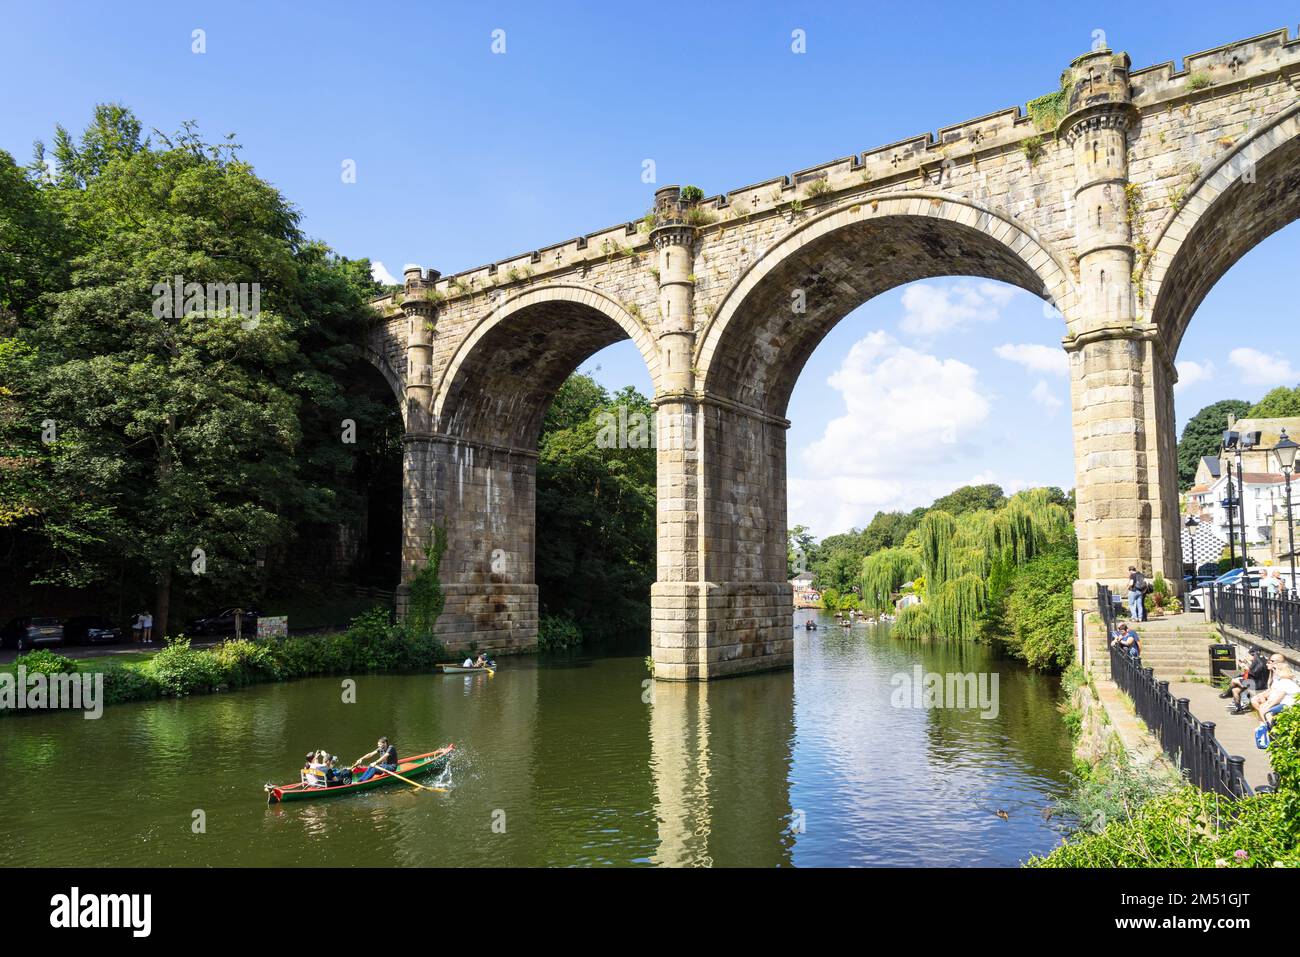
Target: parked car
(223, 623)
(28, 633)
(1198, 598)
(91, 630)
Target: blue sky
(464, 156)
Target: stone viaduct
(1120, 199)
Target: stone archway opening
(472, 468)
(1248, 198)
(750, 357)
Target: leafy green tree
(798, 541)
(1276, 404)
(888, 530)
(34, 243)
(971, 498)
(595, 516)
(1039, 621)
(1203, 435)
(203, 427)
(840, 569)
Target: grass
(93, 663)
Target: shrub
(46, 662)
(555, 633)
(691, 194)
(180, 670)
(1188, 827)
(243, 662)
(1039, 624)
(127, 683)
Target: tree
(971, 498)
(888, 530)
(798, 541)
(1039, 620)
(1203, 435)
(840, 569)
(1278, 403)
(595, 515)
(201, 433)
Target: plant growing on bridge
(819, 187)
(426, 596)
(1032, 147)
(1049, 110)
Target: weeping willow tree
(884, 572)
(966, 559)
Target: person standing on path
(146, 627)
(1137, 589)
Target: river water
(574, 761)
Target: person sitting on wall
(1252, 680)
(1281, 692)
(1128, 640)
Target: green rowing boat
(432, 761)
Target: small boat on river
(307, 788)
(463, 670)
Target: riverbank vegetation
(1130, 817)
(986, 567)
(371, 644)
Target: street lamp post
(1227, 503)
(1191, 525)
(1285, 450)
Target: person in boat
(385, 757)
(467, 663)
(481, 661)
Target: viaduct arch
(1119, 200)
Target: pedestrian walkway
(1235, 732)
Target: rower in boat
(385, 756)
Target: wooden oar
(406, 779)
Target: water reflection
(559, 763)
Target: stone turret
(420, 306)
(674, 242)
(1098, 115)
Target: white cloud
(1044, 397)
(380, 274)
(930, 308)
(910, 418)
(1260, 368)
(1035, 358)
(1190, 373)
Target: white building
(1263, 497)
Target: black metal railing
(1189, 741)
(1106, 608)
(1253, 611)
